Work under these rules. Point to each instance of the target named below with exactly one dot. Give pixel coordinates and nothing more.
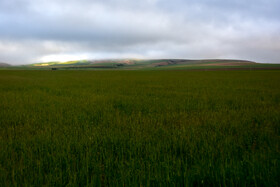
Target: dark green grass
(133, 128)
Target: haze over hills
(134, 64)
(140, 63)
(2, 64)
(147, 64)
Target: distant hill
(142, 64)
(151, 64)
(2, 64)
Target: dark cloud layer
(45, 30)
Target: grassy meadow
(139, 128)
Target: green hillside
(150, 64)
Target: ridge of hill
(151, 64)
(2, 64)
(142, 64)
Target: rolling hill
(2, 64)
(152, 64)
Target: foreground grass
(148, 128)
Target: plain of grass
(139, 128)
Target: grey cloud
(148, 29)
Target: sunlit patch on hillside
(42, 64)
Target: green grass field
(139, 128)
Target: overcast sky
(60, 30)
